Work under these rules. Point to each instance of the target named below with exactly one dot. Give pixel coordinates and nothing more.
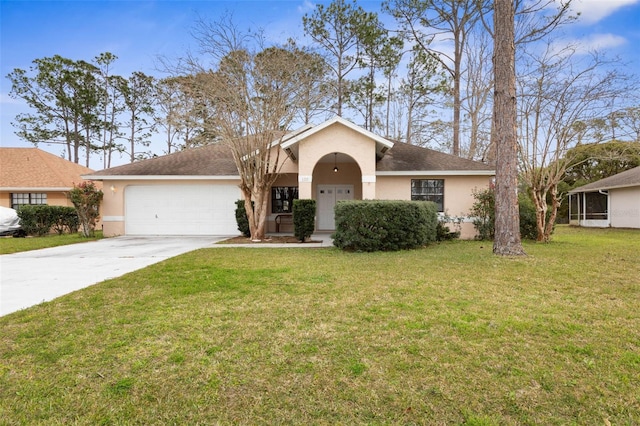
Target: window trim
(425, 197)
(32, 198)
(291, 191)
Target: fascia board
(161, 177)
(437, 173)
(344, 122)
(603, 188)
(35, 188)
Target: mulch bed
(279, 239)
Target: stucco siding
(625, 207)
(53, 198)
(458, 194)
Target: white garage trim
(181, 209)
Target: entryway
(327, 196)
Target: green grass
(14, 245)
(450, 334)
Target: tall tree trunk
(456, 109)
(507, 240)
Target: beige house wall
(327, 142)
(286, 165)
(458, 195)
(54, 198)
(625, 207)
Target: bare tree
(423, 82)
(254, 92)
(422, 22)
(476, 101)
(315, 92)
(507, 240)
(168, 108)
(559, 89)
(630, 121)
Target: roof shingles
(34, 168)
(216, 160)
(404, 157)
(208, 160)
(621, 180)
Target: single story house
(193, 192)
(34, 176)
(610, 202)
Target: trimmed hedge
(304, 218)
(241, 219)
(375, 225)
(42, 219)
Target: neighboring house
(33, 176)
(610, 202)
(193, 192)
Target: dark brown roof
(621, 180)
(216, 160)
(208, 160)
(405, 157)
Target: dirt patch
(276, 239)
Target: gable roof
(35, 169)
(205, 161)
(624, 179)
(289, 142)
(216, 160)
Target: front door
(327, 197)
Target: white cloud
(593, 42)
(306, 6)
(592, 11)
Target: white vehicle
(9, 222)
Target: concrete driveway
(32, 277)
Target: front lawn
(449, 334)
(14, 245)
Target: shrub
(443, 232)
(384, 225)
(241, 219)
(86, 199)
(65, 219)
(304, 218)
(483, 213)
(35, 219)
(528, 225)
(42, 219)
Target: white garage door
(181, 209)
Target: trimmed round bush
(381, 225)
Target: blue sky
(138, 31)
